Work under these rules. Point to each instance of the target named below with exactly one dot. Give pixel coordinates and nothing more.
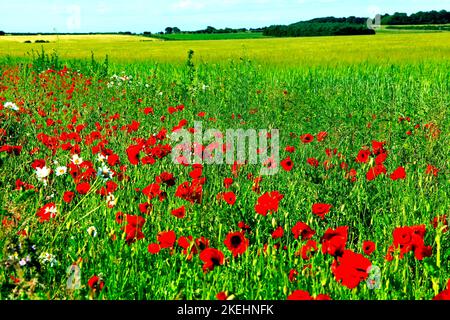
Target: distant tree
(2, 33)
(176, 30)
(147, 33)
(210, 29)
(169, 30)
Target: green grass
(210, 36)
(355, 100)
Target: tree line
(419, 18)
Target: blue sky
(155, 15)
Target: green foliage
(419, 18)
(313, 29)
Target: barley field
(95, 204)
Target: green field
(381, 49)
(364, 130)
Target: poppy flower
(221, 296)
(290, 149)
(444, 295)
(236, 243)
(368, 247)
(399, 173)
(133, 154)
(268, 203)
(381, 158)
(308, 250)
(153, 248)
(145, 207)
(47, 212)
(350, 268)
(374, 172)
(68, 196)
(133, 229)
(83, 188)
(96, 283)
(307, 138)
(243, 226)
(166, 239)
(229, 197)
(227, 182)
(363, 156)
(313, 162)
(321, 136)
(432, 170)
(378, 147)
(180, 212)
(334, 241)
(301, 229)
(278, 233)
(287, 164)
(211, 258)
(292, 275)
(441, 221)
(321, 209)
(410, 239)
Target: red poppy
(153, 248)
(46, 212)
(68, 196)
(444, 295)
(302, 230)
(290, 149)
(399, 173)
(278, 233)
(307, 138)
(221, 296)
(350, 269)
(378, 147)
(211, 258)
(313, 162)
(227, 182)
(321, 209)
(381, 158)
(268, 202)
(441, 221)
(432, 170)
(229, 197)
(133, 229)
(334, 241)
(410, 239)
(243, 226)
(180, 212)
(83, 188)
(166, 239)
(133, 154)
(363, 156)
(368, 247)
(374, 172)
(145, 207)
(236, 243)
(299, 295)
(321, 136)
(292, 275)
(287, 164)
(96, 283)
(308, 250)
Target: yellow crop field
(382, 48)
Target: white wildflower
(61, 171)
